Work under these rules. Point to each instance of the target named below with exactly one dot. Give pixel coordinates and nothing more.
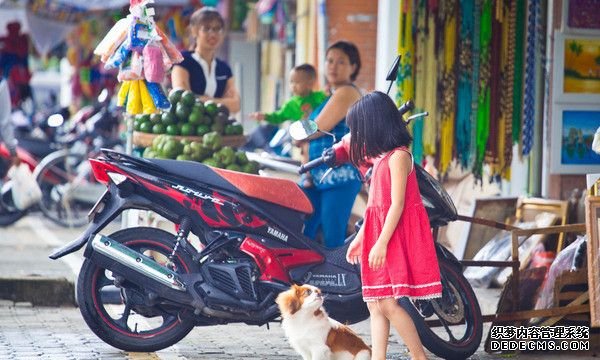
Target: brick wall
(356, 21)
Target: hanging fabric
(534, 13)
(483, 105)
(430, 128)
(404, 81)
(476, 53)
(492, 155)
(448, 13)
(508, 84)
(465, 79)
(420, 71)
(517, 117)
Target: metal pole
(129, 151)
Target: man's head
(302, 79)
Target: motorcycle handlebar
(406, 107)
(329, 156)
(311, 165)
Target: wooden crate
(145, 140)
(568, 287)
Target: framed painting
(581, 16)
(476, 236)
(573, 129)
(576, 75)
(592, 213)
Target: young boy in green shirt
(299, 106)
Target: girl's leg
(380, 331)
(404, 325)
(337, 205)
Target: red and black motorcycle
(252, 248)
(144, 289)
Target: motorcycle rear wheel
(119, 316)
(457, 310)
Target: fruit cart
(192, 130)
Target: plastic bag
(172, 52)
(148, 106)
(497, 249)
(113, 39)
(139, 35)
(132, 68)
(122, 54)
(134, 100)
(122, 95)
(154, 69)
(158, 96)
(563, 263)
(25, 190)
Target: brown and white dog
(312, 333)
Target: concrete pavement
(38, 319)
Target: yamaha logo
(278, 234)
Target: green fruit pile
(188, 116)
(209, 151)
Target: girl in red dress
(394, 246)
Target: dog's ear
(288, 301)
(294, 304)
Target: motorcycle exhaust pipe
(115, 257)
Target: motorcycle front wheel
(458, 313)
(123, 316)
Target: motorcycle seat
(282, 192)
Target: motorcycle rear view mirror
(103, 96)
(55, 120)
(393, 73)
(303, 129)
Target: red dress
(411, 268)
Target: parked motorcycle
(58, 162)
(8, 213)
(65, 176)
(252, 248)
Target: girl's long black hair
(376, 127)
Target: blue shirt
(339, 176)
(198, 78)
